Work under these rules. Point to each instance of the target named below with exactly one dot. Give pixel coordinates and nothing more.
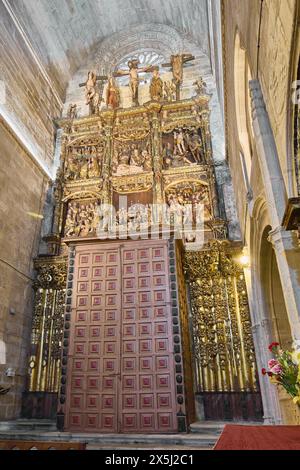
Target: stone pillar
(285, 245)
(261, 328)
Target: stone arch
(261, 324)
(241, 93)
(155, 37)
(274, 303)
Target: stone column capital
(281, 239)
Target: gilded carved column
(153, 110)
(106, 169)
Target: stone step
(103, 441)
(147, 447)
(207, 427)
(28, 425)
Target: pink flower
(276, 369)
(272, 363)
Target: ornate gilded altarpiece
(158, 153)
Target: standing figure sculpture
(170, 90)
(156, 86)
(112, 94)
(92, 96)
(133, 73)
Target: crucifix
(177, 63)
(133, 73)
(93, 97)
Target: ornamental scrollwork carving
(51, 275)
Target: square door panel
(97, 286)
(147, 421)
(146, 364)
(84, 259)
(110, 348)
(98, 272)
(144, 282)
(81, 316)
(165, 421)
(111, 316)
(146, 401)
(145, 329)
(146, 382)
(129, 421)
(83, 273)
(129, 347)
(143, 254)
(129, 401)
(145, 313)
(95, 348)
(79, 348)
(76, 420)
(82, 287)
(92, 421)
(129, 330)
(98, 258)
(129, 382)
(93, 382)
(129, 314)
(92, 401)
(96, 316)
(108, 383)
(108, 402)
(160, 312)
(129, 364)
(108, 422)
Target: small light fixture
(10, 372)
(244, 260)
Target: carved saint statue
(156, 86)
(90, 85)
(169, 90)
(133, 73)
(200, 87)
(112, 94)
(91, 94)
(72, 111)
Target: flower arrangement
(284, 370)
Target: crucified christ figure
(133, 73)
(177, 63)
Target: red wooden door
(121, 372)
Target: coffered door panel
(148, 404)
(94, 356)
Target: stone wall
(258, 44)
(274, 61)
(22, 194)
(29, 100)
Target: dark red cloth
(240, 437)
